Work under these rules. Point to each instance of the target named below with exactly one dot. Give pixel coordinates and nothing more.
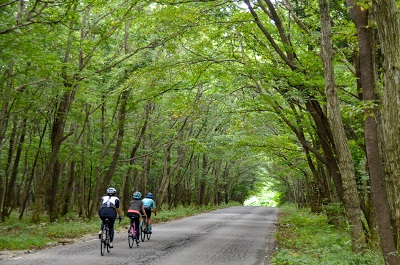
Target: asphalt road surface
(241, 235)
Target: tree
(351, 199)
(388, 26)
(367, 80)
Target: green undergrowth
(24, 235)
(306, 238)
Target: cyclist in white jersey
(109, 209)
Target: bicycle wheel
(102, 243)
(131, 236)
(146, 231)
(143, 228)
(148, 235)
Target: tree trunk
(166, 173)
(225, 175)
(127, 191)
(61, 109)
(216, 173)
(169, 171)
(379, 196)
(83, 188)
(32, 174)
(57, 137)
(10, 197)
(117, 151)
(350, 195)
(4, 119)
(387, 21)
(52, 200)
(6, 102)
(5, 192)
(68, 191)
(325, 137)
(322, 127)
(203, 180)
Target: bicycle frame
(145, 228)
(105, 238)
(132, 233)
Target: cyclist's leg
(137, 221)
(131, 222)
(142, 215)
(111, 227)
(148, 213)
(101, 226)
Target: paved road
(232, 236)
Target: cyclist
(149, 206)
(136, 208)
(108, 209)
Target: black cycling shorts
(148, 211)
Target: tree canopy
(201, 102)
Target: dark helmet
(149, 195)
(137, 195)
(111, 191)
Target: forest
(203, 102)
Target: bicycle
(132, 233)
(144, 227)
(105, 236)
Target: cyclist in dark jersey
(135, 210)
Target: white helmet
(111, 191)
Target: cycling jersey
(147, 202)
(135, 208)
(109, 205)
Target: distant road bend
(240, 235)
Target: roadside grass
(306, 238)
(24, 235)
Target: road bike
(144, 227)
(132, 233)
(105, 236)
